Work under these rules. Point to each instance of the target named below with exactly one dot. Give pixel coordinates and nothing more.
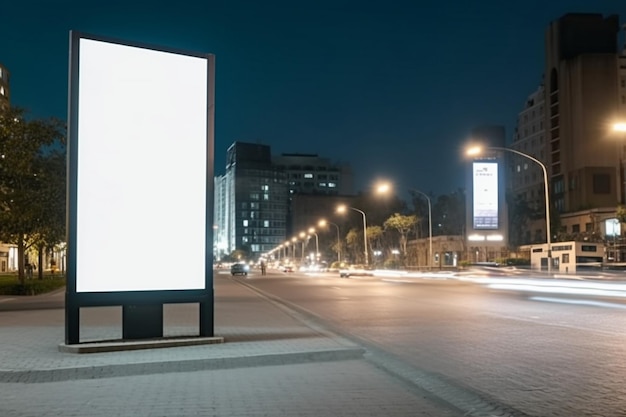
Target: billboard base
(122, 345)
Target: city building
(525, 177)
(250, 202)
(311, 174)
(582, 97)
(261, 200)
(5, 91)
(567, 124)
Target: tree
(374, 235)
(32, 182)
(353, 243)
(403, 225)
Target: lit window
(266, 223)
(322, 184)
(332, 185)
(265, 187)
(245, 223)
(2, 90)
(308, 175)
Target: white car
(355, 270)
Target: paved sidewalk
(271, 364)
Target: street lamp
(317, 243)
(293, 249)
(477, 150)
(341, 209)
(302, 236)
(430, 228)
(323, 223)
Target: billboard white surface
(141, 169)
(485, 209)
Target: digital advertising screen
(485, 186)
(141, 152)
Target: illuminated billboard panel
(485, 209)
(141, 191)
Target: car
(287, 268)
(355, 270)
(239, 268)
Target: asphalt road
(545, 351)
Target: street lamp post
(317, 243)
(323, 223)
(303, 237)
(475, 151)
(430, 228)
(342, 209)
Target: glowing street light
(317, 242)
(477, 150)
(620, 127)
(323, 223)
(430, 227)
(342, 209)
(303, 236)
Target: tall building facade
(581, 80)
(567, 125)
(311, 174)
(255, 206)
(5, 91)
(311, 178)
(251, 202)
(526, 178)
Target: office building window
(308, 175)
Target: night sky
(391, 87)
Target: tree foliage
(32, 182)
(403, 225)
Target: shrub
(10, 285)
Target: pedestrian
(263, 268)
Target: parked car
(355, 270)
(239, 268)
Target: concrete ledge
(97, 371)
(123, 345)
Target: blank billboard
(141, 169)
(485, 209)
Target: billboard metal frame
(74, 300)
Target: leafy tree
(403, 225)
(353, 244)
(32, 182)
(374, 236)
